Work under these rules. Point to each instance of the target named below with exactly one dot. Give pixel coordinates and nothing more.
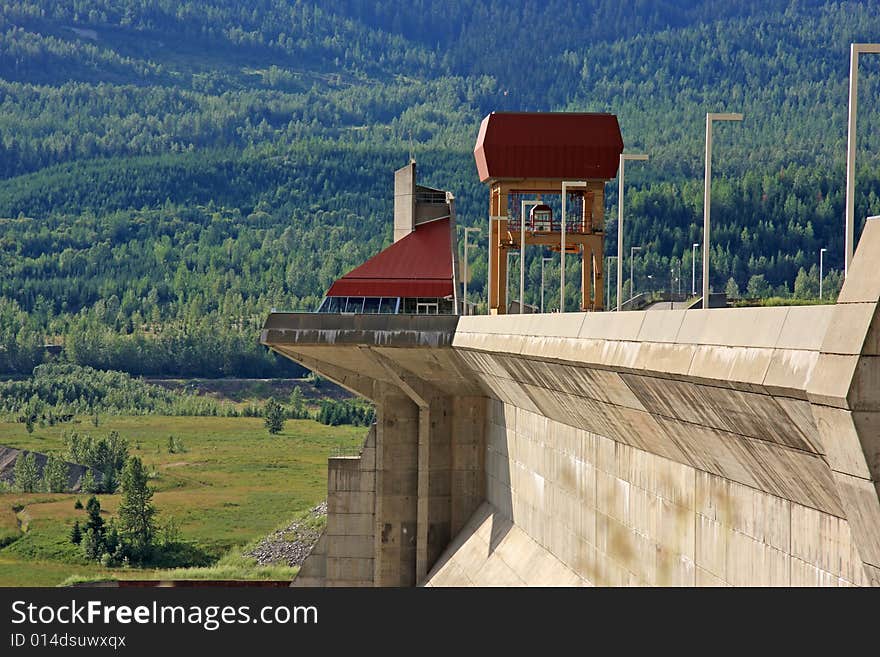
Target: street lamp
(608, 283)
(707, 194)
(522, 251)
(855, 49)
(566, 185)
(821, 258)
(632, 252)
(623, 159)
(507, 278)
(543, 260)
(694, 270)
(467, 230)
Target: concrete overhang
(355, 350)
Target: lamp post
(620, 192)
(821, 258)
(608, 283)
(507, 278)
(632, 252)
(707, 194)
(566, 185)
(522, 251)
(854, 50)
(543, 260)
(467, 230)
(694, 270)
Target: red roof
(419, 265)
(555, 145)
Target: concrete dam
(736, 446)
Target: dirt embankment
(242, 390)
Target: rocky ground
(292, 544)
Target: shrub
(274, 413)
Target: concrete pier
(699, 447)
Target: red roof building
(416, 273)
(418, 265)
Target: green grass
(232, 486)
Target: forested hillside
(171, 170)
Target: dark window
(371, 305)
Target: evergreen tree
(297, 405)
(88, 482)
(76, 533)
(55, 474)
(136, 511)
(95, 522)
(731, 289)
(274, 413)
(26, 473)
(92, 545)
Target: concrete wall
(343, 556)
(599, 512)
(699, 447)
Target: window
(389, 305)
(426, 308)
(354, 305)
(371, 305)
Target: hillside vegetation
(171, 170)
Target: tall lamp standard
(467, 229)
(632, 256)
(566, 185)
(608, 282)
(707, 194)
(623, 159)
(543, 260)
(507, 278)
(821, 258)
(522, 251)
(854, 50)
(694, 270)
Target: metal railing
(577, 226)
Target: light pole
(522, 251)
(507, 279)
(566, 185)
(608, 283)
(694, 270)
(821, 258)
(623, 159)
(707, 194)
(467, 230)
(632, 252)
(854, 50)
(543, 260)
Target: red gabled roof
(554, 145)
(419, 265)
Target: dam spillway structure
(717, 447)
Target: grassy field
(232, 485)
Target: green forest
(171, 170)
